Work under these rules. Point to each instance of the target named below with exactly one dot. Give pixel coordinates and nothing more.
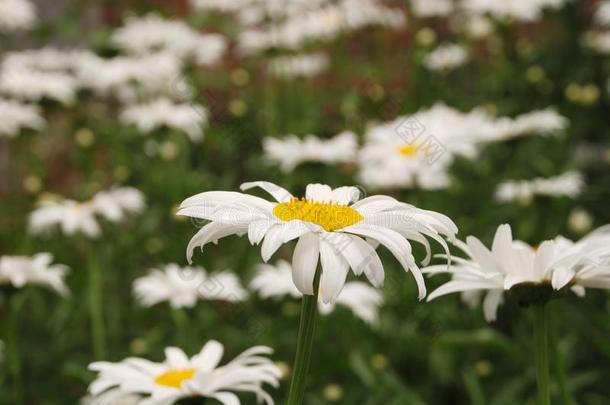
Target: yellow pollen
(407, 150)
(328, 215)
(175, 378)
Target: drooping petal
(280, 194)
(305, 262)
(334, 271)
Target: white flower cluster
(302, 65)
(569, 184)
(74, 217)
(290, 151)
(153, 34)
(19, 271)
(419, 149)
(527, 11)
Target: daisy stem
(14, 358)
(307, 328)
(541, 339)
(96, 309)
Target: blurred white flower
(152, 34)
(300, 65)
(478, 26)
(580, 221)
(539, 122)
(446, 57)
(417, 150)
(184, 286)
(290, 151)
(188, 117)
(48, 59)
(330, 225)
(568, 184)
(528, 11)
(276, 281)
(33, 85)
(597, 41)
(15, 116)
(556, 263)
(18, 271)
(131, 77)
(602, 14)
(74, 217)
(323, 22)
(16, 15)
(432, 8)
(179, 377)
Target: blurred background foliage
(422, 353)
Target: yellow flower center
(407, 150)
(328, 215)
(175, 378)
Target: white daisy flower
(14, 117)
(152, 34)
(568, 184)
(48, 59)
(16, 15)
(184, 286)
(291, 151)
(558, 264)
(540, 122)
(432, 8)
(419, 149)
(74, 217)
(446, 57)
(179, 377)
(188, 117)
(329, 224)
(276, 281)
(19, 271)
(301, 65)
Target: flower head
(331, 225)
(179, 377)
(18, 271)
(510, 264)
(276, 281)
(184, 286)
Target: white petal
(318, 192)
(305, 262)
(280, 194)
(490, 304)
(561, 277)
(334, 271)
(209, 356)
(345, 195)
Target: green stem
(13, 355)
(181, 324)
(96, 312)
(307, 329)
(541, 339)
(560, 367)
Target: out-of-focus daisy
(597, 41)
(184, 286)
(15, 116)
(330, 224)
(446, 57)
(418, 150)
(431, 8)
(152, 34)
(302, 65)
(32, 85)
(568, 184)
(80, 217)
(510, 264)
(188, 117)
(132, 77)
(529, 11)
(18, 271)
(602, 14)
(276, 281)
(16, 15)
(539, 122)
(179, 377)
(290, 151)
